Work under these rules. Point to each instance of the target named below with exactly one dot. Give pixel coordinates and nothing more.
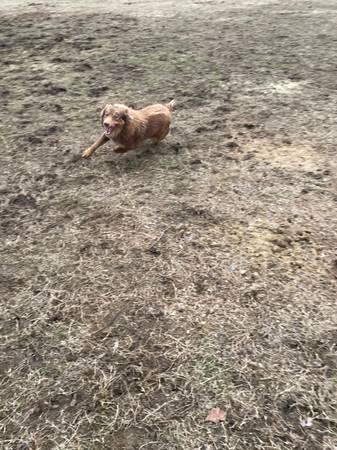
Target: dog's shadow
(144, 158)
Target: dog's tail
(170, 105)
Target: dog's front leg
(89, 151)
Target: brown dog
(129, 128)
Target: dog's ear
(126, 115)
(103, 113)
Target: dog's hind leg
(160, 136)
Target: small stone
(180, 307)
(3, 189)
(317, 363)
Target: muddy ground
(140, 291)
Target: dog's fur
(129, 128)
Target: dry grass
(141, 291)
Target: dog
(129, 127)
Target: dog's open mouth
(109, 129)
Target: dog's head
(114, 118)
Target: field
(140, 291)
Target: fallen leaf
(215, 415)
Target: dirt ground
(140, 291)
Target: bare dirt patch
(139, 292)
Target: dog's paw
(86, 153)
